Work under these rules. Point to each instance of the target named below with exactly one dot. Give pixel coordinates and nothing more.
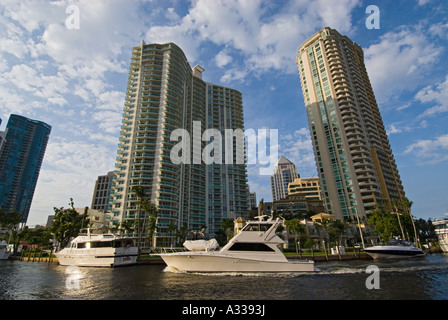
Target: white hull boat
(5, 250)
(103, 250)
(395, 249)
(254, 249)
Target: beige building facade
(354, 159)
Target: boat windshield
(402, 243)
(253, 226)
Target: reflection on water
(422, 278)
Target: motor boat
(394, 249)
(5, 250)
(99, 250)
(254, 249)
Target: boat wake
(403, 266)
(241, 274)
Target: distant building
(308, 187)
(253, 199)
(101, 193)
(20, 162)
(98, 218)
(296, 205)
(284, 172)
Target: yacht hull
(89, 258)
(393, 253)
(196, 262)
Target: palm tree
(140, 194)
(150, 214)
(150, 221)
(323, 224)
(407, 204)
(297, 229)
(227, 225)
(337, 227)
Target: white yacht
(99, 250)
(254, 249)
(5, 250)
(394, 249)
(441, 229)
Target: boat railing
(161, 250)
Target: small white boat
(441, 229)
(5, 250)
(99, 250)
(395, 249)
(254, 249)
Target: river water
(415, 279)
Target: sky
(72, 74)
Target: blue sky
(75, 79)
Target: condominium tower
(285, 172)
(20, 162)
(165, 94)
(356, 167)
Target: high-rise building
(102, 191)
(165, 94)
(227, 189)
(356, 167)
(20, 162)
(284, 172)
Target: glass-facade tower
(20, 162)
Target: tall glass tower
(164, 94)
(354, 159)
(20, 162)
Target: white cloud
(436, 93)
(422, 2)
(439, 29)
(399, 61)
(171, 14)
(243, 26)
(434, 150)
(222, 59)
(298, 148)
(69, 170)
(48, 87)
